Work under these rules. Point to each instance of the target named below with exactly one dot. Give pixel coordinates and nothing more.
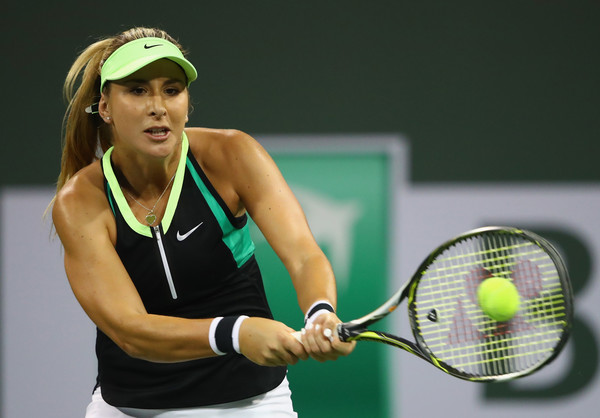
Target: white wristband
(211, 336)
(235, 333)
(316, 309)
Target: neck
(142, 176)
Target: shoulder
(85, 183)
(214, 148)
(220, 141)
(81, 199)
(235, 163)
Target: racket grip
(297, 335)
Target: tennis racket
(450, 329)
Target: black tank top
(198, 263)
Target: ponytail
(85, 135)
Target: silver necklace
(151, 216)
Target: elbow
(141, 349)
(128, 337)
(130, 347)
(133, 351)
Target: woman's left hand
(321, 341)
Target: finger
(294, 353)
(319, 346)
(297, 347)
(280, 358)
(290, 358)
(322, 341)
(308, 340)
(308, 337)
(343, 348)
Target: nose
(156, 107)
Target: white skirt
(275, 403)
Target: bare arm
(102, 286)
(264, 193)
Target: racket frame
(356, 330)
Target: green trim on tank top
(113, 184)
(237, 240)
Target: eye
(173, 90)
(137, 90)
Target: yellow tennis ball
(498, 298)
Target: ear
(103, 109)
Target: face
(148, 109)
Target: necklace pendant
(150, 218)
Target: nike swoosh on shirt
(187, 234)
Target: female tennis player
(153, 219)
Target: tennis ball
(498, 298)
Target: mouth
(158, 133)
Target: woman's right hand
(270, 343)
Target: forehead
(163, 68)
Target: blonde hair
(85, 134)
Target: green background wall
(489, 90)
(339, 181)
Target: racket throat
(349, 331)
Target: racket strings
(462, 335)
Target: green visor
(134, 55)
